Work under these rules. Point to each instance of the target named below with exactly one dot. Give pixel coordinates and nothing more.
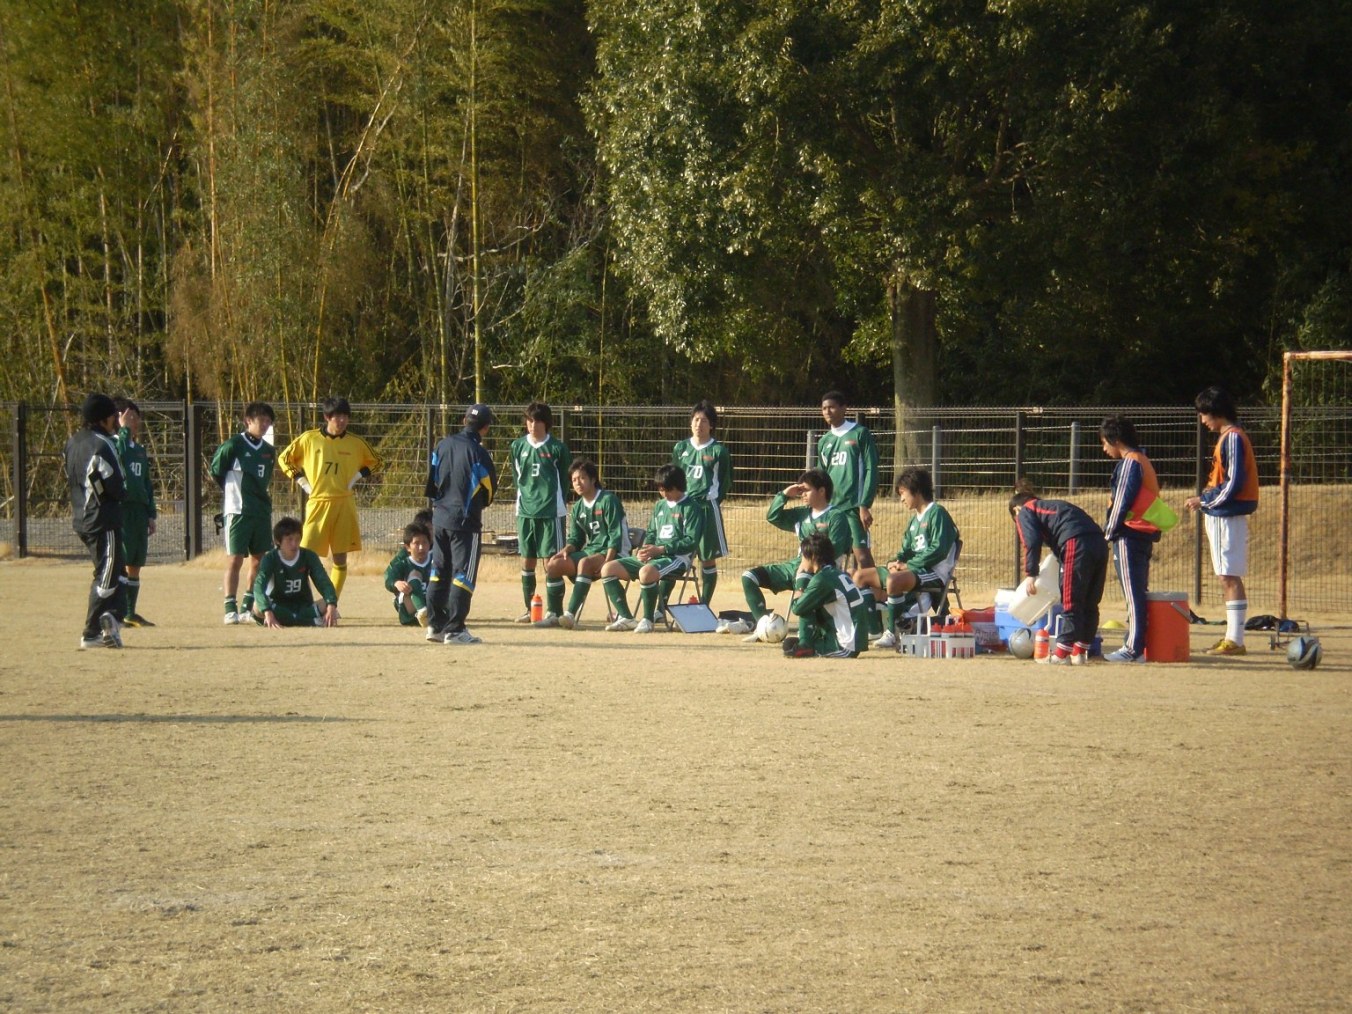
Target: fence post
(1074, 468)
(936, 442)
(192, 485)
(1020, 417)
(21, 480)
(810, 451)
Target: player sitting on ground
(242, 467)
(814, 489)
(407, 575)
(919, 572)
(832, 617)
(598, 533)
(282, 591)
(672, 536)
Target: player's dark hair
(412, 531)
(588, 468)
(671, 477)
(1118, 430)
(538, 411)
(122, 404)
(818, 479)
(424, 518)
(707, 409)
(284, 527)
(1217, 401)
(256, 409)
(916, 481)
(837, 396)
(817, 548)
(1023, 492)
(336, 406)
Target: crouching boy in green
(407, 575)
(832, 617)
(282, 596)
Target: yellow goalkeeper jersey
(330, 464)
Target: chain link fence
(974, 454)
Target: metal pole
(1019, 420)
(192, 485)
(810, 452)
(1074, 456)
(1284, 525)
(936, 442)
(21, 480)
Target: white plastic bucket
(1027, 609)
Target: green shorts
(667, 566)
(248, 534)
(713, 541)
(859, 535)
(295, 615)
(776, 577)
(135, 533)
(539, 537)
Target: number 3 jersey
(243, 470)
(541, 472)
(287, 581)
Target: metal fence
(974, 454)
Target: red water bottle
(537, 608)
(1041, 645)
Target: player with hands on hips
(848, 453)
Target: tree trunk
(914, 360)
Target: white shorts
(1229, 540)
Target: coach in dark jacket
(97, 489)
(460, 483)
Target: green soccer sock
(896, 605)
(580, 588)
(648, 596)
(665, 586)
(133, 593)
(554, 595)
(708, 583)
(230, 606)
(527, 587)
(246, 603)
(755, 598)
(615, 593)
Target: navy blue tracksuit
(1078, 543)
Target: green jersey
(541, 476)
(599, 526)
(287, 582)
(929, 539)
(833, 617)
(849, 456)
(675, 527)
(242, 467)
(136, 467)
(708, 469)
(803, 522)
(404, 568)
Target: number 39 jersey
(243, 470)
(287, 581)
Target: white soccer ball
(1021, 643)
(1304, 652)
(771, 628)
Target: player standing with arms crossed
(242, 467)
(1230, 497)
(848, 453)
(326, 463)
(138, 509)
(708, 481)
(540, 463)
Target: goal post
(1284, 529)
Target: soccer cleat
(434, 635)
(568, 621)
(800, 651)
(1079, 658)
(1228, 647)
(1212, 647)
(1054, 659)
(112, 631)
(548, 620)
(721, 627)
(90, 642)
(231, 619)
(888, 640)
(644, 626)
(136, 620)
(523, 618)
(739, 627)
(462, 637)
(623, 623)
(752, 637)
(1123, 655)
(421, 616)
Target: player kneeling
(282, 596)
(832, 617)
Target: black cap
(478, 415)
(96, 408)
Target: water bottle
(1041, 645)
(537, 608)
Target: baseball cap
(96, 408)
(480, 414)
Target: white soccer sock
(1236, 611)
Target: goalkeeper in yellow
(326, 463)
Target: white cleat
(645, 626)
(548, 620)
(888, 640)
(568, 621)
(231, 619)
(462, 637)
(623, 623)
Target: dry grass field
(230, 819)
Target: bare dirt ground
(227, 818)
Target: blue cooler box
(1006, 624)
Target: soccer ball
(772, 628)
(1021, 643)
(1304, 652)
